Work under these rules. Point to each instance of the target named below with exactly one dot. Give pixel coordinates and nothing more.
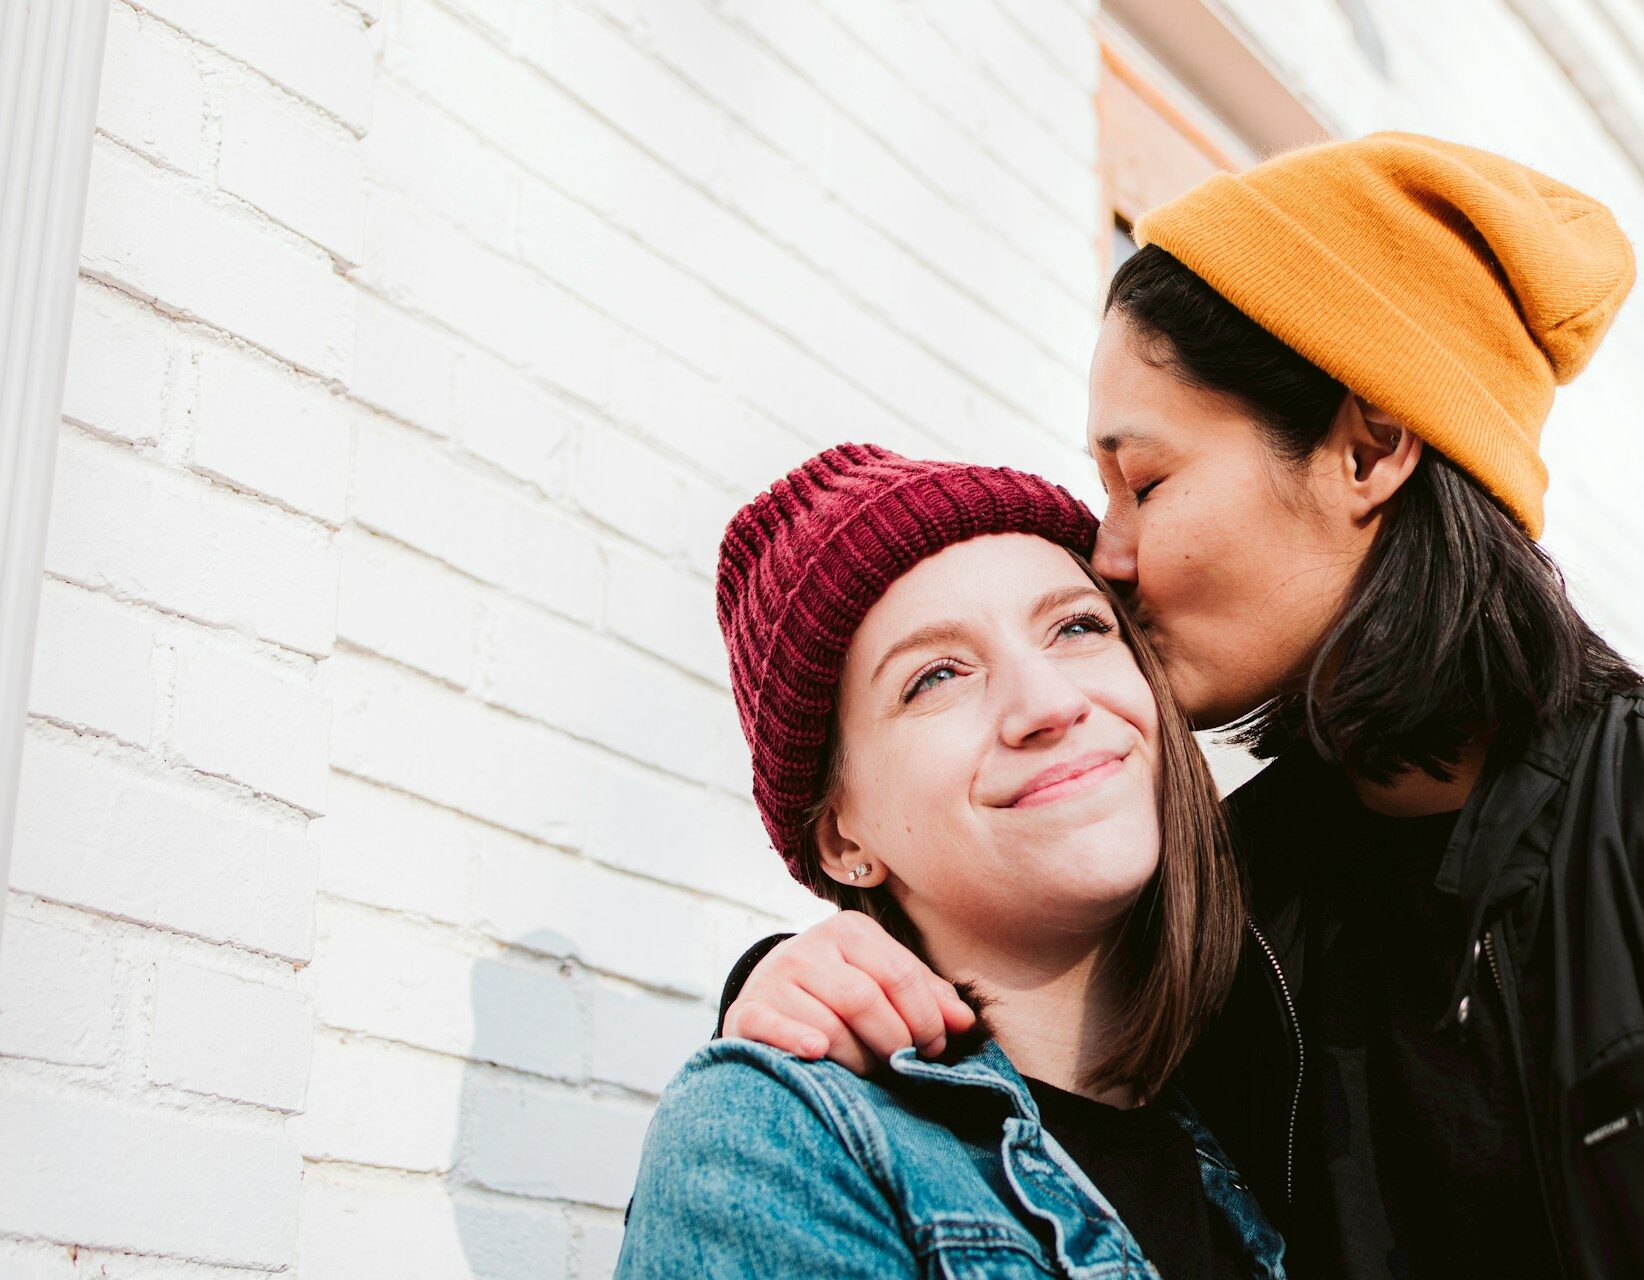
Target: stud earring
(858, 871)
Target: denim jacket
(759, 1164)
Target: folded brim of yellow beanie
(1451, 287)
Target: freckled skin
(1235, 564)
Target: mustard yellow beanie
(1448, 286)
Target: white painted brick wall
(260, 430)
(59, 995)
(218, 1034)
(303, 173)
(146, 1180)
(384, 827)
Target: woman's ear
(1378, 454)
(842, 858)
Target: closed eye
(1141, 494)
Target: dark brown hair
(1457, 628)
(1180, 941)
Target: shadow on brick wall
(562, 1077)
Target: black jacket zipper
(1521, 1070)
(1294, 1024)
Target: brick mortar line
(466, 348)
(158, 767)
(1028, 35)
(480, 700)
(277, 972)
(384, 1179)
(478, 944)
(188, 320)
(192, 327)
(191, 471)
(587, 1087)
(1034, 264)
(1003, 162)
(797, 344)
(147, 928)
(88, 1254)
(226, 203)
(984, 73)
(136, 6)
(374, 1176)
(490, 38)
(131, 1093)
(1041, 269)
(347, 644)
(296, 661)
(581, 856)
(504, 594)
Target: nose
(1040, 702)
(1115, 556)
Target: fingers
(861, 1005)
(956, 1014)
(807, 1028)
(907, 983)
(850, 983)
(753, 1020)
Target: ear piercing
(858, 871)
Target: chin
(1114, 868)
(1205, 701)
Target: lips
(1051, 782)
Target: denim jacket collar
(1051, 1186)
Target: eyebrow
(1111, 442)
(936, 633)
(943, 632)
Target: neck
(1049, 1012)
(1416, 793)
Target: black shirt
(1412, 1156)
(1145, 1164)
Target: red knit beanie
(801, 565)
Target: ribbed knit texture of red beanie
(801, 565)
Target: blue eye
(1084, 624)
(927, 680)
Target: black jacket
(1547, 860)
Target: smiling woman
(958, 732)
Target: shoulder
(1596, 830)
(1608, 749)
(758, 1089)
(1616, 766)
(732, 1064)
(750, 1169)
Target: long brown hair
(1179, 944)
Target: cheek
(1124, 690)
(906, 788)
(1210, 542)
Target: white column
(51, 57)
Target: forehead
(1129, 396)
(1135, 403)
(992, 576)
